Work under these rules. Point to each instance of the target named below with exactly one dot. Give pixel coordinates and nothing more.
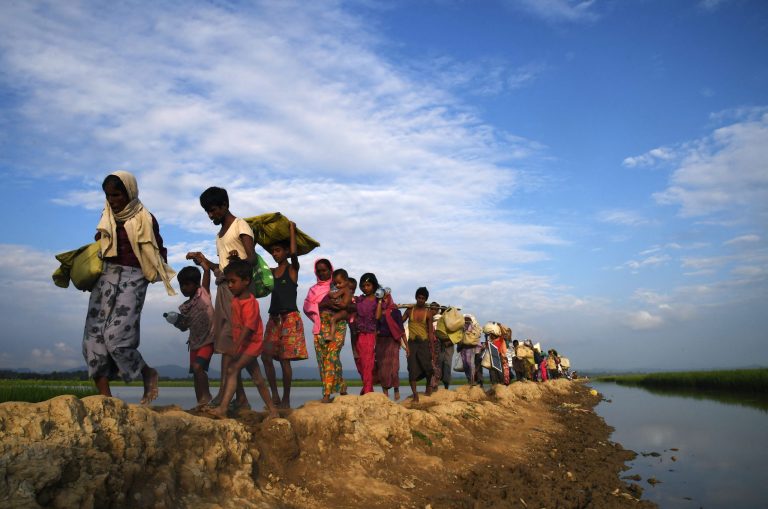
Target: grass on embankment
(742, 380)
(35, 391)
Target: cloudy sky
(592, 173)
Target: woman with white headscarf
(133, 255)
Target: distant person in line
(553, 364)
(234, 241)
(284, 336)
(445, 349)
(133, 256)
(494, 336)
(197, 317)
(469, 348)
(366, 320)
(420, 334)
(543, 374)
(247, 337)
(519, 365)
(333, 331)
(390, 335)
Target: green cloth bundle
(82, 266)
(275, 227)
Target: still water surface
(722, 449)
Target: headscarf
(141, 234)
(316, 294)
(393, 317)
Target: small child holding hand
(197, 317)
(247, 336)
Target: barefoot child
(366, 320)
(284, 336)
(197, 313)
(420, 332)
(233, 242)
(246, 335)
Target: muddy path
(528, 445)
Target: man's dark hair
(214, 197)
(422, 290)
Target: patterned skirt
(328, 345)
(111, 335)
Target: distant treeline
(743, 380)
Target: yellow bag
(551, 364)
(453, 319)
(524, 352)
(275, 227)
(82, 266)
(441, 332)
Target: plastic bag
(263, 280)
(458, 363)
(275, 227)
(486, 362)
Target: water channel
(705, 453)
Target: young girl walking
(368, 314)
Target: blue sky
(591, 173)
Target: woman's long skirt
(388, 361)
(111, 335)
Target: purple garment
(366, 314)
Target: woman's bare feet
(397, 394)
(327, 399)
(150, 386)
(343, 391)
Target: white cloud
(724, 172)
(650, 261)
(622, 217)
(644, 320)
(650, 158)
(743, 239)
(559, 10)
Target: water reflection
(710, 454)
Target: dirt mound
(537, 445)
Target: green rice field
(35, 391)
(741, 380)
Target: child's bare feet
(343, 391)
(397, 394)
(385, 391)
(326, 399)
(415, 397)
(150, 387)
(216, 412)
(284, 403)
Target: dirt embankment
(527, 445)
